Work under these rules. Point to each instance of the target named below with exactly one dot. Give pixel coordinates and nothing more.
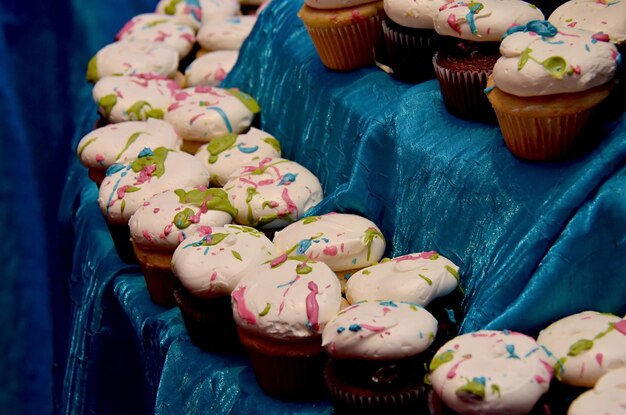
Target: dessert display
(121, 143)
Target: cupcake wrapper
(410, 54)
(545, 138)
(348, 47)
(157, 271)
(463, 93)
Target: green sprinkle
(579, 347)
(246, 100)
(274, 143)
(107, 103)
(266, 310)
(454, 273)
(237, 255)
(92, 69)
(129, 142)
(425, 278)
(82, 148)
(472, 391)
(310, 219)
(440, 359)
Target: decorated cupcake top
(211, 265)
(202, 113)
(226, 33)
(272, 192)
(215, 9)
(587, 345)
(186, 12)
(133, 97)
(491, 372)
(169, 217)
(211, 68)
(343, 241)
(608, 396)
(225, 154)
(121, 143)
(417, 14)
(484, 21)
(287, 298)
(127, 187)
(597, 16)
(129, 58)
(539, 59)
(379, 330)
(417, 278)
(334, 4)
(159, 28)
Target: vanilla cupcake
(202, 113)
(133, 97)
(375, 350)
(131, 58)
(211, 68)
(186, 12)
(281, 309)
(471, 34)
(490, 372)
(587, 345)
(344, 32)
(345, 242)
(607, 396)
(547, 83)
(272, 193)
(208, 268)
(225, 154)
(165, 221)
(121, 143)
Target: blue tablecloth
(534, 241)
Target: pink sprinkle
(168, 229)
(156, 210)
(290, 204)
(124, 30)
(195, 117)
(146, 203)
(99, 158)
(181, 96)
(250, 182)
(272, 204)
(181, 237)
(122, 191)
(342, 246)
(599, 358)
(151, 77)
(375, 329)
(453, 24)
(205, 230)
(421, 255)
(572, 24)
(576, 69)
(539, 379)
(312, 307)
(189, 37)
(202, 89)
(146, 174)
(620, 326)
(452, 372)
(600, 37)
(174, 106)
(220, 74)
(330, 250)
(386, 310)
(279, 260)
(266, 182)
(147, 236)
(240, 303)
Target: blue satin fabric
(535, 241)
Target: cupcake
(587, 345)
(375, 364)
(133, 97)
(211, 68)
(281, 309)
(344, 32)
(272, 192)
(186, 12)
(606, 397)
(410, 37)
(546, 86)
(202, 113)
(344, 242)
(121, 143)
(226, 33)
(490, 372)
(165, 221)
(224, 155)
(471, 34)
(128, 186)
(208, 268)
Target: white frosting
(341, 240)
(225, 154)
(383, 330)
(586, 63)
(587, 345)
(417, 14)
(133, 97)
(608, 397)
(184, 11)
(287, 298)
(210, 266)
(226, 33)
(490, 22)
(272, 193)
(120, 143)
(203, 112)
(606, 16)
(335, 4)
(159, 28)
(491, 372)
(127, 186)
(215, 9)
(129, 58)
(167, 218)
(211, 68)
(417, 278)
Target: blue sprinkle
(510, 348)
(206, 251)
(303, 246)
(489, 89)
(146, 152)
(587, 48)
(532, 351)
(354, 328)
(326, 240)
(413, 304)
(450, 313)
(354, 261)
(482, 380)
(388, 303)
(347, 276)
(341, 329)
(421, 335)
(114, 168)
(247, 150)
(559, 42)
(288, 178)
(234, 20)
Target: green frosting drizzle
(310, 219)
(366, 272)
(454, 273)
(181, 220)
(82, 148)
(92, 69)
(131, 189)
(157, 158)
(251, 191)
(440, 359)
(434, 256)
(248, 230)
(370, 234)
(129, 142)
(214, 239)
(155, 113)
(273, 142)
(135, 110)
(170, 8)
(212, 199)
(555, 65)
(579, 347)
(219, 145)
(246, 100)
(474, 390)
(107, 103)
(266, 310)
(495, 389)
(122, 207)
(236, 254)
(425, 278)
(303, 269)
(558, 367)
(157, 22)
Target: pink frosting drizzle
(330, 250)
(620, 326)
(312, 307)
(146, 174)
(599, 358)
(421, 255)
(242, 310)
